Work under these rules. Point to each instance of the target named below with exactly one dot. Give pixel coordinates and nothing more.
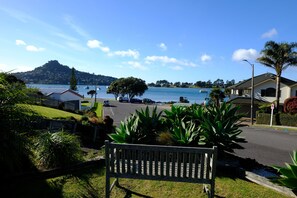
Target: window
(269, 92)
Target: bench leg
(107, 186)
(209, 192)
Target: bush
(58, 149)
(278, 119)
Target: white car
(122, 99)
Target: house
(70, 99)
(264, 90)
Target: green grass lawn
(52, 113)
(99, 109)
(92, 184)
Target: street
(268, 146)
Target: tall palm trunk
(277, 94)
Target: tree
(127, 86)
(114, 88)
(217, 95)
(218, 83)
(15, 122)
(91, 92)
(73, 81)
(278, 56)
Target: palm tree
(217, 95)
(278, 56)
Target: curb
(265, 182)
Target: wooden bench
(167, 163)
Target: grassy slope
(52, 113)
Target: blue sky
(175, 40)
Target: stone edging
(265, 182)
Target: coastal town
(182, 99)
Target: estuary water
(158, 94)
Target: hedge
(278, 119)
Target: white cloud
(205, 58)
(177, 68)
(20, 42)
(128, 53)
(97, 44)
(32, 48)
(270, 33)
(76, 28)
(136, 65)
(248, 54)
(162, 46)
(163, 59)
(64, 36)
(168, 60)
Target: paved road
(265, 145)
(118, 111)
(268, 146)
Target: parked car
(106, 103)
(148, 101)
(122, 99)
(136, 100)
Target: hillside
(54, 73)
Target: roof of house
(245, 100)
(50, 91)
(259, 79)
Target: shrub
(288, 175)
(284, 119)
(58, 149)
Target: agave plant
(220, 127)
(149, 124)
(126, 132)
(288, 175)
(175, 113)
(184, 133)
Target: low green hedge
(278, 119)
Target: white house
(64, 95)
(264, 88)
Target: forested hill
(55, 73)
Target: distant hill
(55, 73)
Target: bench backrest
(170, 163)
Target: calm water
(155, 93)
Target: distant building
(70, 98)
